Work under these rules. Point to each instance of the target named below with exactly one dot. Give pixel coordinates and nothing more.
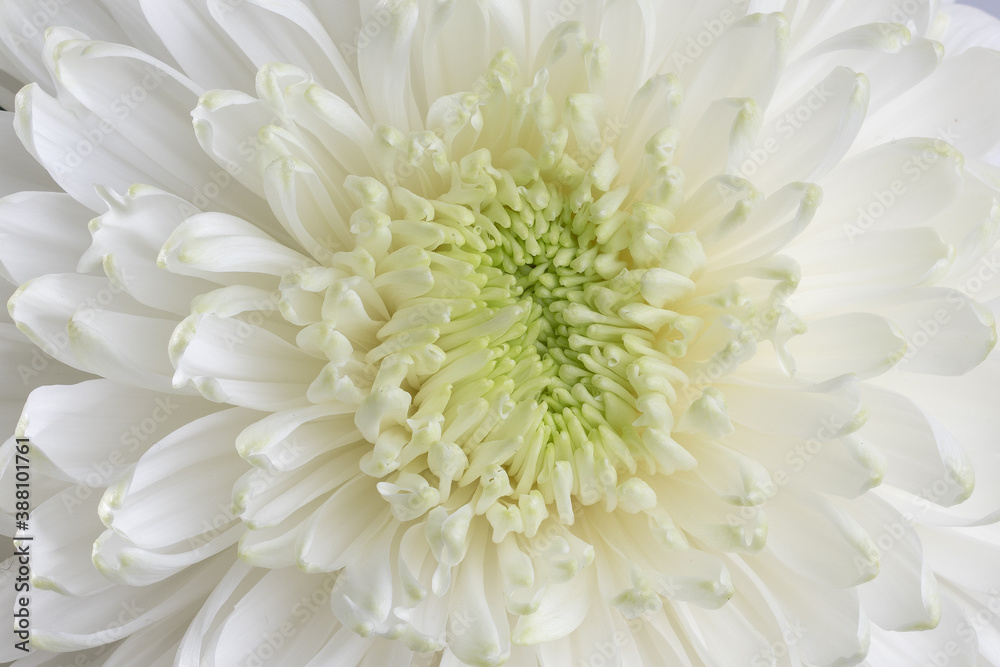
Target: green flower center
(532, 308)
(547, 339)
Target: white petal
(343, 135)
(239, 575)
(123, 346)
(657, 639)
(231, 361)
(285, 604)
(59, 141)
(807, 138)
(769, 227)
(42, 233)
(953, 640)
(654, 107)
(893, 60)
(303, 205)
(957, 104)
(619, 62)
(348, 649)
(971, 225)
(744, 642)
(817, 20)
(120, 561)
(69, 624)
(825, 410)
(947, 333)
(718, 198)
(602, 632)
(65, 528)
(87, 323)
(551, 621)
(288, 440)
(671, 569)
(707, 517)
(834, 633)
(846, 467)
(344, 24)
(33, 368)
(813, 537)
(155, 645)
(478, 630)
(92, 431)
(323, 550)
(955, 403)
(226, 123)
(902, 183)
(720, 140)
(723, 72)
(455, 49)
(363, 600)
(199, 45)
(129, 16)
(735, 477)
(19, 170)
(964, 556)
(127, 240)
(844, 269)
(381, 652)
(288, 32)
(922, 457)
(384, 64)
(893, 74)
(542, 17)
(149, 508)
(860, 343)
(904, 595)
(218, 243)
(113, 83)
(24, 23)
(275, 547)
(105, 78)
(268, 499)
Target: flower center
(546, 342)
(515, 322)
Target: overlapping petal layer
(545, 333)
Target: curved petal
(93, 431)
(200, 47)
(69, 624)
(149, 507)
(922, 457)
(18, 171)
(288, 32)
(65, 528)
(232, 361)
(41, 232)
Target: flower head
(497, 332)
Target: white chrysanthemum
(568, 332)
